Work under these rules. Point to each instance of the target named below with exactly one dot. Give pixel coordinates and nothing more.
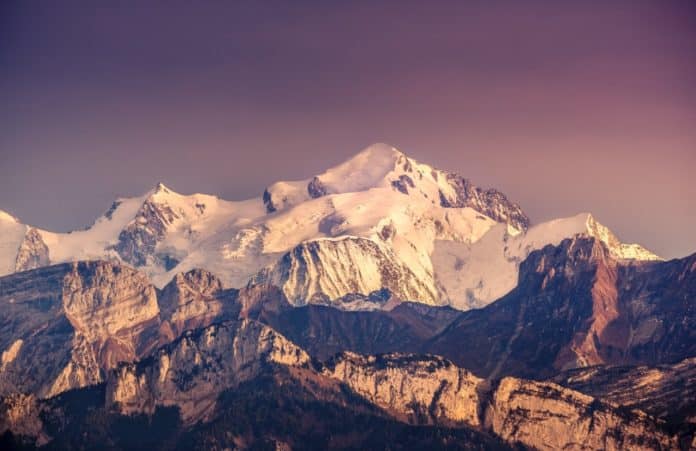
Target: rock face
(667, 392)
(193, 371)
(32, 253)
(490, 202)
(316, 188)
(576, 306)
(137, 242)
(396, 228)
(617, 249)
(325, 331)
(63, 325)
(198, 372)
(194, 299)
(344, 271)
(420, 390)
(546, 416)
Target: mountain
(100, 333)
(63, 325)
(379, 304)
(195, 376)
(383, 166)
(475, 274)
(379, 227)
(667, 392)
(576, 305)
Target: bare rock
(326, 271)
(546, 416)
(191, 372)
(416, 389)
(315, 188)
(193, 299)
(490, 202)
(32, 253)
(64, 325)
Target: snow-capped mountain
(476, 274)
(378, 227)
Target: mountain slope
(383, 166)
(63, 325)
(667, 392)
(475, 274)
(329, 270)
(442, 239)
(575, 305)
(199, 373)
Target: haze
(564, 107)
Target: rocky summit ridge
(382, 301)
(442, 239)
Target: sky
(564, 106)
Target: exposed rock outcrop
(194, 299)
(197, 373)
(576, 306)
(490, 202)
(329, 271)
(137, 242)
(63, 325)
(33, 252)
(316, 188)
(20, 414)
(667, 392)
(193, 371)
(545, 416)
(420, 390)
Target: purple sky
(565, 107)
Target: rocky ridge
(576, 305)
(667, 392)
(64, 325)
(330, 271)
(448, 241)
(194, 372)
(33, 252)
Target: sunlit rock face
(32, 253)
(63, 325)
(349, 273)
(490, 202)
(546, 416)
(195, 372)
(422, 390)
(195, 299)
(575, 306)
(666, 391)
(191, 372)
(20, 414)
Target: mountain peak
(366, 169)
(617, 249)
(161, 188)
(377, 151)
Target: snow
(368, 169)
(93, 242)
(476, 274)
(467, 257)
(11, 235)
